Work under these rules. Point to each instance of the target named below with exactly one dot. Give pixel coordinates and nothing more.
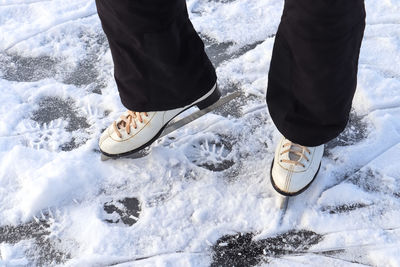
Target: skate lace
(295, 149)
(128, 120)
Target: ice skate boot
(134, 131)
(294, 167)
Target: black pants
(160, 61)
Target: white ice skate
(294, 167)
(135, 131)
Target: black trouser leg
(159, 60)
(313, 72)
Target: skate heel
(211, 99)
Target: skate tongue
(293, 156)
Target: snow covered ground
(203, 196)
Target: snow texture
(203, 195)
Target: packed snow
(205, 187)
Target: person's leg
(159, 59)
(311, 84)
(160, 69)
(313, 72)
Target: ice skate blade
(139, 154)
(104, 157)
(283, 206)
(198, 114)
